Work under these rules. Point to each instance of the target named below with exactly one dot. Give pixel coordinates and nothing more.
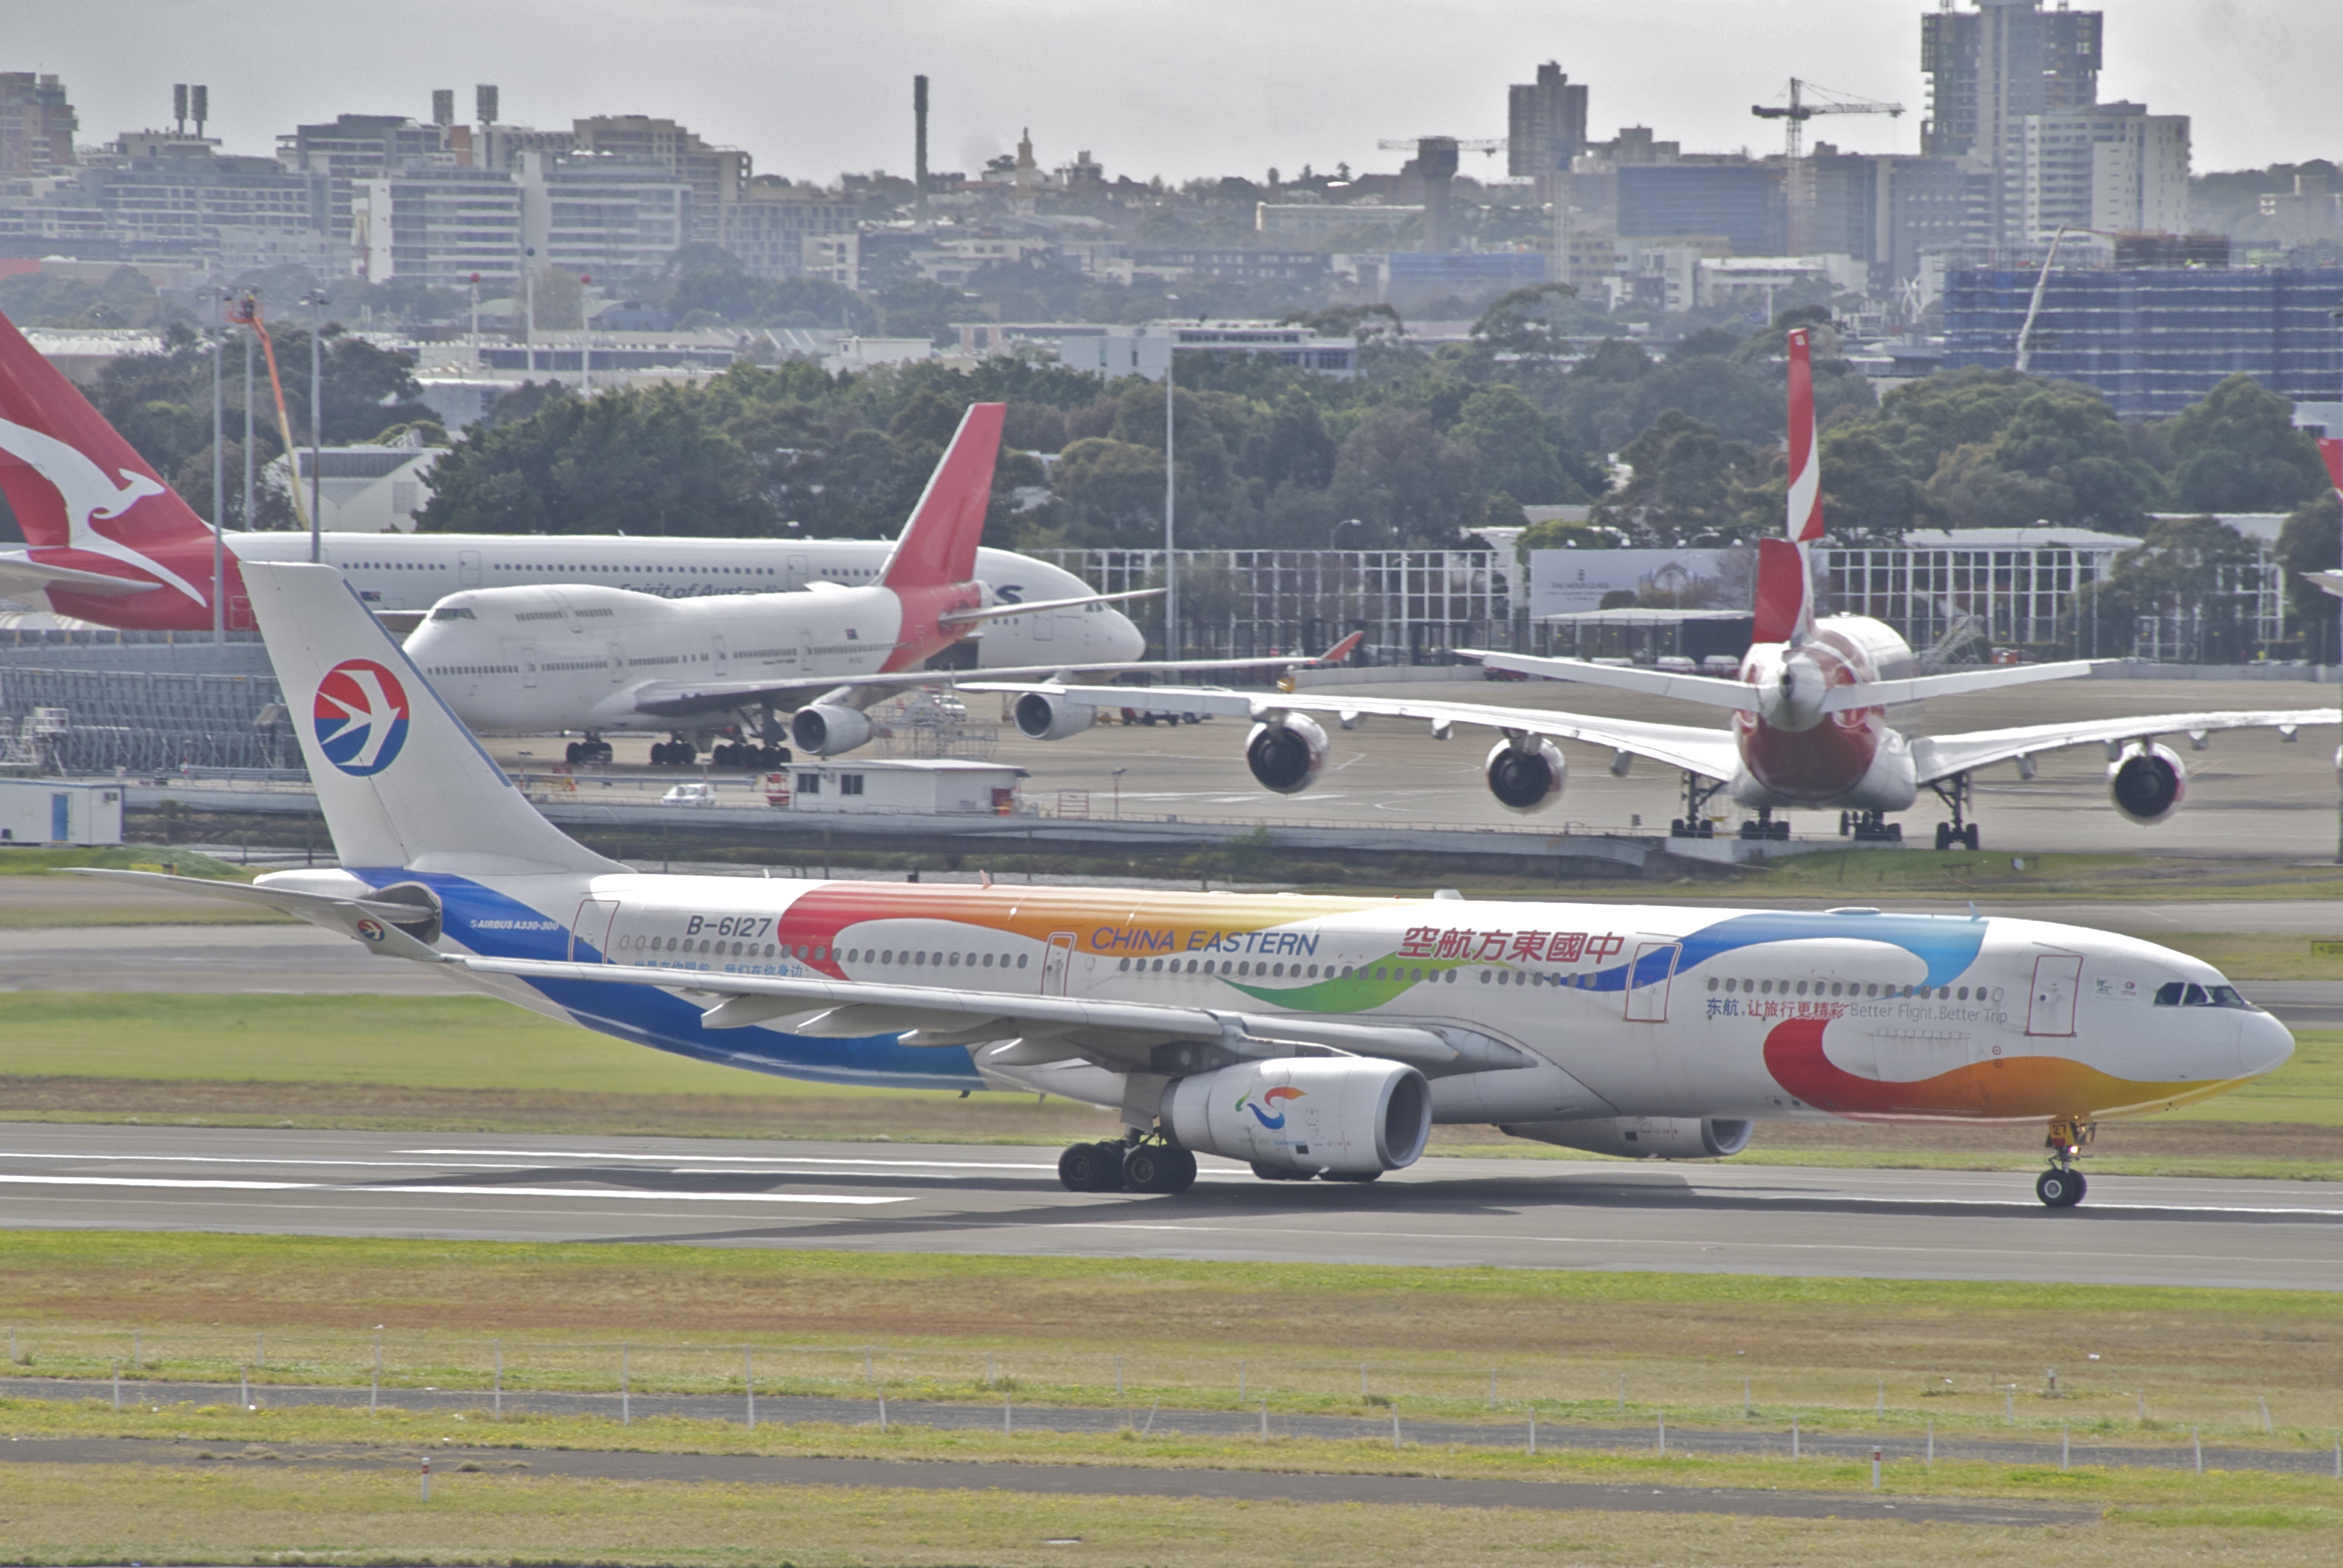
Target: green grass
(2306, 1090)
(17, 860)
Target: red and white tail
(938, 544)
(1804, 525)
(71, 478)
(1784, 606)
(2331, 449)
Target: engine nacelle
(425, 924)
(2147, 783)
(1040, 717)
(1640, 1137)
(1347, 1115)
(825, 730)
(1525, 781)
(1287, 755)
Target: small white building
(52, 812)
(940, 786)
(365, 490)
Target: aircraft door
(1042, 625)
(797, 572)
(467, 568)
(1056, 962)
(801, 647)
(1648, 978)
(528, 659)
(2051, 1009)
(617, 663)
(590, 932)
(723, 655)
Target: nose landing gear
(1959, 833)
(2062, 1186)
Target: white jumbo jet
(1308, 1037)
(1820, 711)
(109, 543)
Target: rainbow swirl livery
(1309, 1036)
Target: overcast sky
(1175, 87)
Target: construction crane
(1803, 106)
(1435, 165)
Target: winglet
(938, 544)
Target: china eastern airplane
(1308, 1037)
(1815, 705)
(111, 543)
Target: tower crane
(1804, 106)
(1435, 165)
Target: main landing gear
(1870, 828)
(1958, 833)
(1765, 827)
(1150, 1166)
(1698, 792)
(593, 748)
(2062, 1186)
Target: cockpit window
(453, 612)
(2187, 993)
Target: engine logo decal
(1275, 1098)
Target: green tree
(2312, 541)
(1520, 450)
(1406, 481)
(2238, 451)
(2061, 458)
(1687, 480)
(639, 461)
(2193, 574)
(1867, 493)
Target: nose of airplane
(2264, 1044)
(1122, 639)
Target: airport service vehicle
(111, 543)
(1819, 708)
(694, 792)
(1311, 1038)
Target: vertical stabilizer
(1804, 523)
(402, 782)
(1784, 608)
(68, 474)
(2330, 448)
(938, 544)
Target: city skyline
(811, 92)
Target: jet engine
(1347, 1116)
(1527, 781)
(1286, 755)
(1640, 1137)
(1042, 717)
(826, 730)
(2147, 783)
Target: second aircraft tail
(938, 544)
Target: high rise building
(767, 229)
(2006, 59)
(609, 216)
(2114, 167)
(717, 175)
(1545, 123)
(36, 126)
(439, 226)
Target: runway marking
(746, 1159)
(235, 1160)
(167, 1182)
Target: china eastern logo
(361, 713)
(1272, 1100)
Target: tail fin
(62, 464)
(2331, 449)
(402, 781)
(1785, 611)
(1805, 524)
(938, 544)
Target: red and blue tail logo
(361, 715)
(1273, 1100)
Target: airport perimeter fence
(155, 721)
(613, 1373)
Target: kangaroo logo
(1274, 1100)
(361, 714)
(89, 494)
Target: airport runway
(1721, 1219)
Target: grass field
(246, 1514)
(1054, 1329)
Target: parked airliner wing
(1711, 753)
(1713, 691)
(1942, 756)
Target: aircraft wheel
(1091, 1168)
(1278, 1173)
(1969, 836)
(1159, 1167)
(1847, 826)
(2059, 1188)
(1944, 835)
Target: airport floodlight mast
(317, 300)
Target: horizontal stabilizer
(1003, 611)
(1920, 687)
(21, 577)
(1712, 690)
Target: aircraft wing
(1119, 1035)
(1942, 756)
(368, 919)
(21, 577)
(1713, 691)
(1711, 753)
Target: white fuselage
(415, 572)
(1663, 1011)
(1794, 754)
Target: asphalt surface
(1705, 1219)
(1767, 1438)
(1064, 1479)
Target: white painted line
(604, 1192)
(742, 1159)
(239, 1159)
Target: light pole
(219, 492)
(1170, 471)
(528, 306)
(317, 301)
(1117, 792)
(585, 336)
